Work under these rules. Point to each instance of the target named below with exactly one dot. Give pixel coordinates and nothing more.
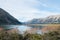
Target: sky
(24, 10)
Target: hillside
(7, 19)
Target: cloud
(50, 4)
(25, 10)
(20, 8)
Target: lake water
(21, 28)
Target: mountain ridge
(46, 20)
(7, 19)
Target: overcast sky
(25, 10)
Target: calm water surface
(21, 28)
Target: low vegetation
(51, 35)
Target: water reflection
(19, 27)
(22, 28)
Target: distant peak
(1, 8)
(54, 16)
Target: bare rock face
(7, 19)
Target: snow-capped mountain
(49, 19)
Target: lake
(21, 28)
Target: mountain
(49, 19)
(7, 19)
